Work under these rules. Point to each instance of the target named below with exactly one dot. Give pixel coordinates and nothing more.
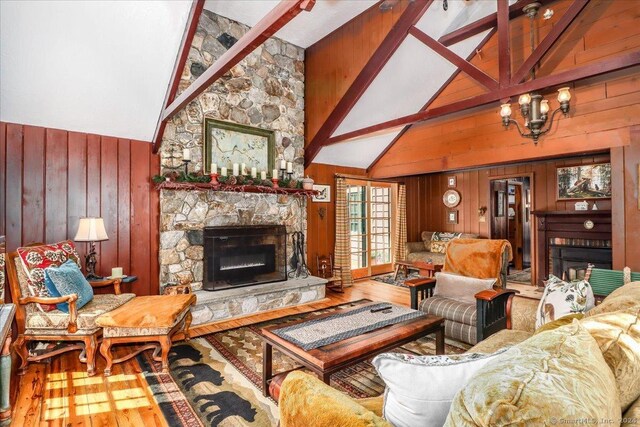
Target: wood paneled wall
(50, 178)
(425, 210)
(425, 193)
(321, 232)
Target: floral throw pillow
(439, 241)
(36, 258)
(561, 299)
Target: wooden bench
(155, 318)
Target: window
(371, 209)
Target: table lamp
(91, 230)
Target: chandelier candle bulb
(564, 95)
(283, 164)
(263, 175)
(289, 167)
(254, 172)
(186, 154)
(544, 107)
(525, 99)
(236, 169)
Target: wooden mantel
(570, 225)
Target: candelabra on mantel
(185, 159)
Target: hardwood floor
(60, 393)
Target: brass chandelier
(533, 106)
(535, 111)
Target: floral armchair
(38, 323)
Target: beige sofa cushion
(626, 296)
(618, 336)
(501, 339)
(460, 288)
(565, 364)
(631, 418)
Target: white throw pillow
(561, 299)
(460, 288)
(420, 389)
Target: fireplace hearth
(243, 256)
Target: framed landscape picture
(228, 143)
(584, 182)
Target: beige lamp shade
(91, 230)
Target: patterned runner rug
(216, 380)
(389, 280)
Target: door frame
(534, 227)
(374, 270)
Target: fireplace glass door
(243, 256)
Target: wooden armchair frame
(493, 311)
(87, 343)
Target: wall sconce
(535, 111)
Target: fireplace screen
(243, 256)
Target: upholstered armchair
(37, 324)
(473, 309)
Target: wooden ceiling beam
(181, 60)
(543, 47)
(277, 18)
(541, 83)
(504, 44)
(467, 67)
(483, 24)
(363, 80)
(433, 97)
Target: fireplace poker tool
(297, 263)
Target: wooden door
(499, 209)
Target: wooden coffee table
(326, 360)
(426, 269)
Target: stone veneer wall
(265, 90)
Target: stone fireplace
(265, 90)
(244, 256)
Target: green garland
(174, 176)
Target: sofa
(570, 369)
(421, 251)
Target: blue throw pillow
(67, 279)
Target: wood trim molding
(383, 53)
(277, 18)
(176, 74)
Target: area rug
(216, 380)
(521, 276)
(389, 280)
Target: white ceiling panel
(91, 66)
(306, 28)
(405, 84)
(357, 153)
